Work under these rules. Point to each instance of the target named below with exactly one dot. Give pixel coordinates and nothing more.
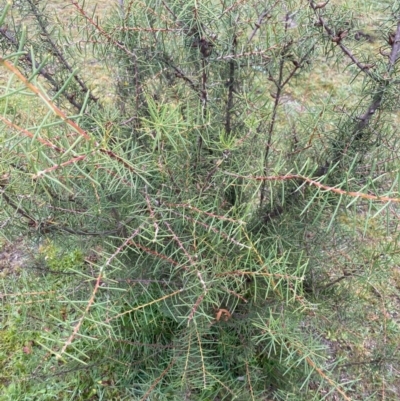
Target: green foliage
(216, 217)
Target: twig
(263, 15)
(208, 227)
(230, 83)
(56, 52)
(198, 274)
(165, 371)
(10, 37)
(271, 125)
(338, 40)
(94, 292)
(154, 301)
(319, 185)
(104, 33)
(17, 208)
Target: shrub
(209, 184)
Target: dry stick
(195, 306)
(179, 243)
(26, 293)
(56, 166)
(54, 226)
(202, 358)
(156, 254)
(246, 54)
(249, 381)
(373, 361)
(151, 30)
(204, 95)
(251, 273)
(38, 301)
(234, 5)
(378, 98)
(20, 211)
(59, 373)
(236, 294)
(140, 344)
(394, 54)
(152, 214)
(180, 74)
(128, 10)
(169, 10)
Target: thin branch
(154, 301)
(318, 185)
(279, 88)
(62, 115)
(98, 282)
(338, 39)
(378, 98)
(31, 135)
(19, 210)
(57, 166)
(260, 20)
(209, 227)
(56, 51)
(213, 215)
(231, 82)
(44, 72)
(164, 372)
(102, 32)
(395, 52)
(43, 96)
